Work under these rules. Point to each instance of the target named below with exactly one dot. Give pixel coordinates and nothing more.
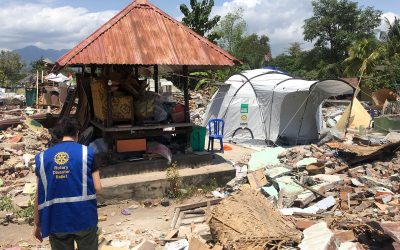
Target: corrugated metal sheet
(142, 34)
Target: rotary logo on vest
(61, 172)
(61, 158)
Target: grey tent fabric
(273, 105)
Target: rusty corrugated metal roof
(142, 34)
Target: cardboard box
(132, 145)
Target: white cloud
(282, 21)
(38, 24)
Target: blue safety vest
(66, 194)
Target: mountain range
(32, 53)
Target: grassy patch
(7, 206)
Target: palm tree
(364, 56)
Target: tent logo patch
(244, 108)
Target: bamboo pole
(37, 88)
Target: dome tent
(273, 106)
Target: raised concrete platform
(193, 160)
(154, 184)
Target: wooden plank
(199, 204)
(317, 148)
(137, 128)
(171, 234)
(178, 222)
(257, 179)
(175, 218)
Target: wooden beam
(109, 122)
(186, 93)
(199, 204)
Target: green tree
(252, 50)
(198, 17)
(294, 50)
(10, 67)
(38, 65)
(231, 30)
(392, 36)
(299, 63)
(337, 23)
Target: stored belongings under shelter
(139, 42)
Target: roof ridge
(193, 33)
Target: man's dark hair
(66, 127)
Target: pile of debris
(344, 194)
(198, 103)
(331, 115)
(11, 99)
(18, 148)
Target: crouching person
(65, 204)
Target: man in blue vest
(65, 205)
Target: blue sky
(172, 6)
(61, 24)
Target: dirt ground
(144, 222)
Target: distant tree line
(346, 43)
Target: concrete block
(277, 172)
(318, 236)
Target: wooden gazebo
(142, 36)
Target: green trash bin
(198, 138)
(30, 95)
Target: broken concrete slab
(306, 197)
(372, 182)
(22, 201)
(351, 246)
(307, 161)
(318, 236)
(270, 192)
(265, 158)
(322, 205)
(177, 245)
(29, 188)
(288, 186)
(277, 172)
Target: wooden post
(37, 88)
(156, 83)
(109, 105)
(186, 93)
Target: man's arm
(36, 226)
(96, 181)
